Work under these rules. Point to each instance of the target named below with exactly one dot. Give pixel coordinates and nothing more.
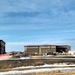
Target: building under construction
(2, 47)
(46, 49)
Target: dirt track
(53, 73)
(32, 62)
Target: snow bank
(35, 70)
(44, 68)
(47, 65)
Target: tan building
(45, 49)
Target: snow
(43, 68)
(24, 57)
(72, 53)
(36, 70)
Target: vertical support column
(39, 49)
(25, 49)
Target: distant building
(2, 47)
(45, 49)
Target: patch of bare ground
(53, 73)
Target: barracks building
(45, 49)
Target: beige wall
(41, 49)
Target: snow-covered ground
(48, 66)
(44, 68)
(35, 70)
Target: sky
(37, 22)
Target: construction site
(46, 49)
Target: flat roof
(2, 41)
(44, 45)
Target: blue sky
(27, 22)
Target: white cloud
(19, 46)
(22, 27)
(25, 27)
(36, 5)
(55, 15)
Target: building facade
(2, 47)
(45, 49)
